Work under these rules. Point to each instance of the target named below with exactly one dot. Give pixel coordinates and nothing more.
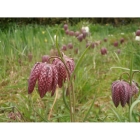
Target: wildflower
(80, 37)
(45, 40)
(71, 33)
(70, 46)
(92, 45)
(62, 71)
(43, 32)
(47, 77)
(118, 51)
(45, 58)
(64, 48)
(121, 40)
(67, 31)
(122, 92)
(77, 33)
(88, 44)
(137, 38)
(115, 44)
(105, 39)
(65, 26)
(103, 51)
(86, 29)
(138, 33)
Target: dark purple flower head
(122, 92)
(84, 34)
(65, 26)
(105, 39)
(103, 51)
(118, 51)
(115, 44)
(138, 33)
(71, 33)
(64, 48)
(121, 40)
(67, 31)
(70, 46)
(80, 37)
(62, 71)
(92, 45)
(77, 33)
(47, 77)
(88, 44)
(45, 58)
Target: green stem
(71, 101)
(64, 98)
(124, 73)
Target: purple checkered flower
(62, 71)
(47, 77)
(122, 92)
(45, 58)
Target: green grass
(92, 86)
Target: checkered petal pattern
(34, 76)
(122, 92)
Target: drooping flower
(80, 37)
(103, 51)
(34, 76)
(65, 26)
(122, 92)
(64, 48)
(70, 45)
(62, 71)
(45, 58)
(47, 77)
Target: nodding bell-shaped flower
(45, 58)
(62, 71)
(47, 77)
(122, 92)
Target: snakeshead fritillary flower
(70, 63)
(103, 51)
(62, 72)
(47, 77)
(45, 58)
(122, 92)
(34, 76)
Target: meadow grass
(92, 85)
